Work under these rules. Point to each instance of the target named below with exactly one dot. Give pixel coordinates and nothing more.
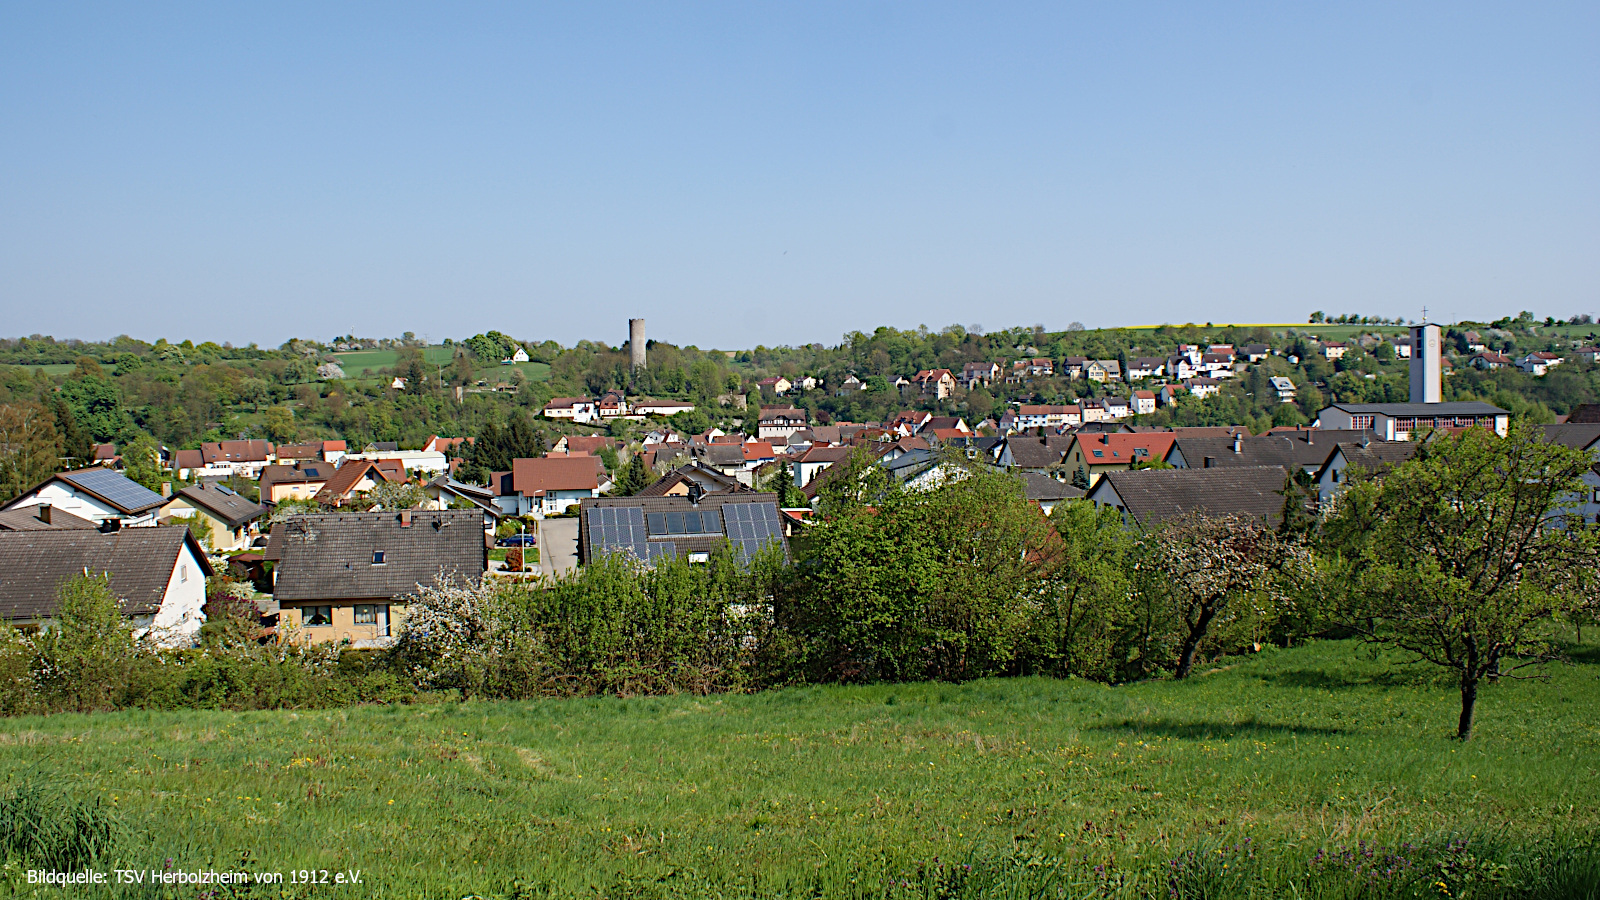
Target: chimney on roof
(405, 518)
(1105, 438)
(1207, 462)
(1238, 444)
(111, 526)
(44, 513)
(166, 489)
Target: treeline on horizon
(181, 394)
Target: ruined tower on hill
(636, 342)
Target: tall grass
(44, 823)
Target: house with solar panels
(98, 495)
(688, 527)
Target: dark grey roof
(1305, 449)
(477, 495)
(653, 527)
(331, 556)
(1375, 457)
(1155, 495)
(1028, 452)
(123, 493)
(1454, 408)
(1579, 435)
(223, 502)
(910, 464)
(140, 561)
(713, 481)
(1042, 487)
(720, 454)
(1584, 414)
(33, 518)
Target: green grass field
(357, 363)
(1318, 747)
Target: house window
(316, 616)
(183, 573)
(378, 557)
(369, 614)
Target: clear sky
(768, 173)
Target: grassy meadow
(357, 363)
(846, 791)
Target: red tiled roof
(445, 443)
(348, 475)
(590, 444)
(533, 477)
(1118, 449)
(236, 451)
(392, 469)
(758, 450)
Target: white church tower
(1425, 366)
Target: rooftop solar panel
(618, 529)
(123, 492)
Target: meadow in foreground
(1288, 762)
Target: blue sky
(762, 173)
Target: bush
(84, 662)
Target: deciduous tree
(1208, 568)
(27, 447)
(1459, 555)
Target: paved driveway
(558, 546)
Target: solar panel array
(691, 521)
(119, 489)
(617, 528)
(752, 526)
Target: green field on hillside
(533, 371)
(846, 791)
(358, 362)
(367, 363)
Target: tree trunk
(1191, 641)
(1469, 700)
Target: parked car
(520, 540)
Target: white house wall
(178, 620)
